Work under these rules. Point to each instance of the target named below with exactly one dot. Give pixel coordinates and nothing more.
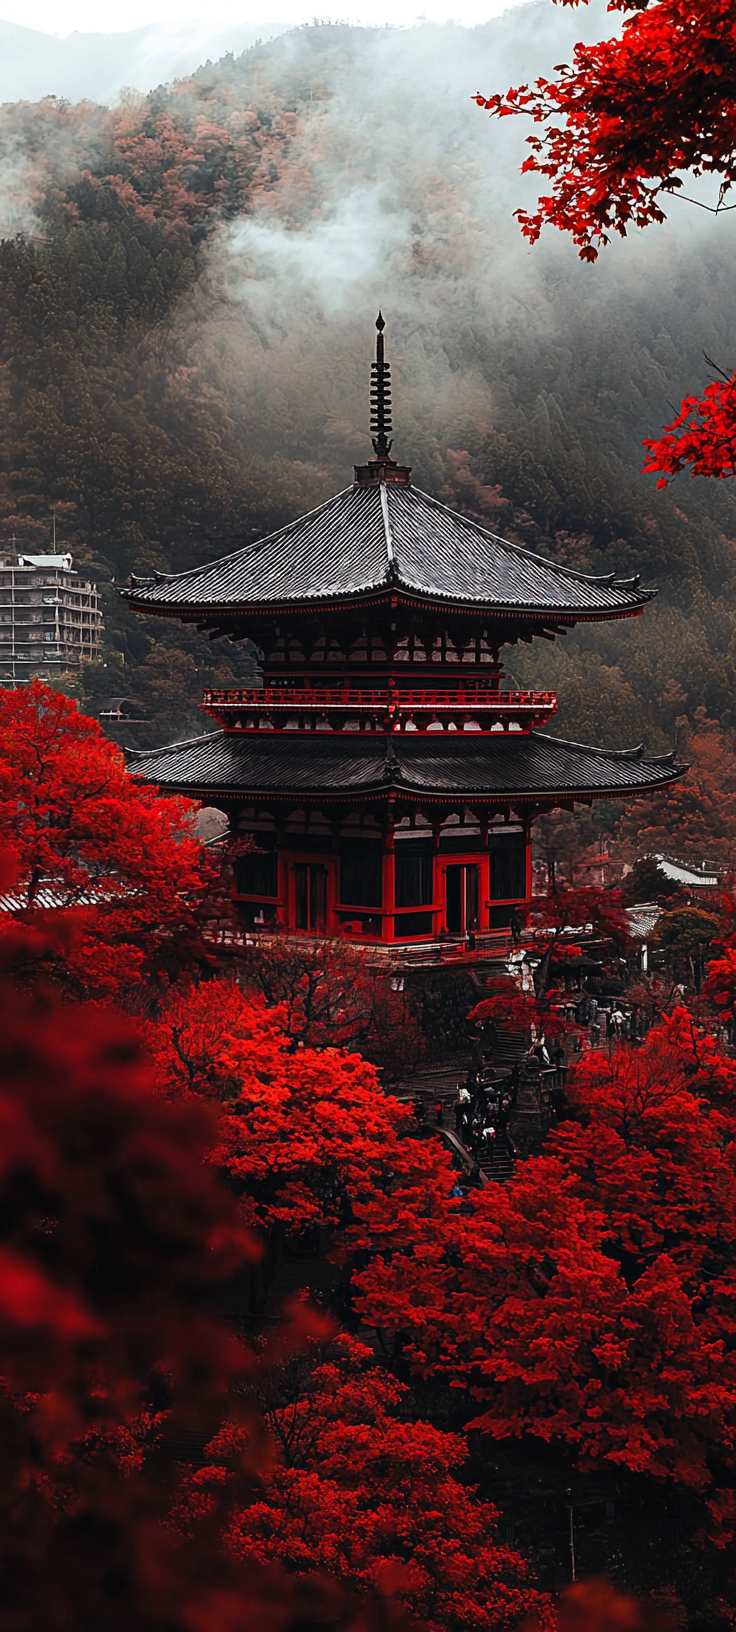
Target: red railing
(298, 700)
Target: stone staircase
(498, 1165)
(438, 1084)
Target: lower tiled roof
(512, 766)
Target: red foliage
(112, 1232)
(696, 816)
(593, 911)
(303, 1133)
(590, 1302)
(109, 873)
(330, 997)
(600, 910)
(114, 1237)
(596, 1606)
(356, 1490)
(505, 1005)
(703, 435)
(633, 112)
(720, 985)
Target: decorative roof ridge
(613, 753)
(392, 570)
(253, 548)
(168, 747)
(606, 580)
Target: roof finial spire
(380, 396)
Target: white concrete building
(50, 618)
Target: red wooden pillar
(528, 843)
(438, 883)
(389, 879)
(283, 913)
(484, 892)
(333, 922)
(282, 877)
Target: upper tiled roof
(324, 763)
(369, 539)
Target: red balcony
(476, 708)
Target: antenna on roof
(380, 397)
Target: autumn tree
(634, 112)
(357, 1489)
(306, 1135)
(587, 1303)
(116, 1241)
(505, 1005)
(331, 994)
(622, 124)
(563, 917)
(720, 983)
(647, 881)
(695, 818)
(702, 435)
(114, 864)
(113, 1230)
(683, 936)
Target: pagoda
(385, 770)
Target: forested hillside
(187, 289)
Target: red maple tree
(589, 1303)
(306, 1134)
(104, 861)
(331, 995)
(356, 1490)
(115, 1237)
(111, 1230)
(565, 919)
(634, 112)
(623, 122)
(694, 818)
(702, 435)
(505, 1005)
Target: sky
(63, 17)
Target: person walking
(489, 1141)
(462, 1109)
(516, 926)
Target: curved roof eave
(439, 768)
(385, 540)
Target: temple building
(386, 772)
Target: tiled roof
(371, 539)
(475, 766)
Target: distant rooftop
(63, 562)
(683, 872)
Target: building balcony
(464, 708)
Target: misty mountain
(97, 67)
(187, 293)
